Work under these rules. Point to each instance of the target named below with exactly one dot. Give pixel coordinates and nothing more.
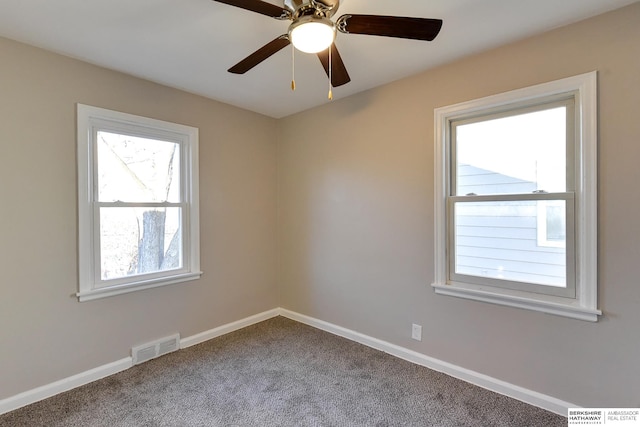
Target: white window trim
(88, 118)
(585, 305)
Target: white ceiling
(189, 44)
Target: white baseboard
(507, 389)
(49, 390)
(229, 327)
(528, 396)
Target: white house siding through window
(502, 240)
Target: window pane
(132, 169)
(552, 223)
(515, 154)
(555, 223)
(500, 240)
(139, 241)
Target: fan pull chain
(293, 67)
(330, 86)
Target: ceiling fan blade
(260, 55)
(339, 74)
(258, 6)
(390, 26)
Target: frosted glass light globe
(312, 35)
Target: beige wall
(45, 333)
(356, 219)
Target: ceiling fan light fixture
(311, 34)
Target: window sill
(543, 303)
(135, 286)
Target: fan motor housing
(299, 8)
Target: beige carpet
(280, 373)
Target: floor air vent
(151, 350)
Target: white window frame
(538, 196)
(583, 88)
(90, 120)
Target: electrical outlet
(416, 332)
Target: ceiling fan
(312, 31)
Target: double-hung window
(515, 198)
(137, 203)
